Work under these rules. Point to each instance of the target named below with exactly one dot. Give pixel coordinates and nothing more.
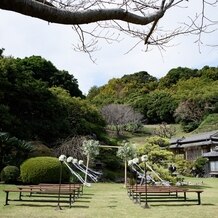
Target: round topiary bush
(43, 170)
(10, 174)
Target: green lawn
(105, 200)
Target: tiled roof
(211, 154)
(195, 140)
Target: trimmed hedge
(43, 170)
(10, 174)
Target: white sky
(23, 36)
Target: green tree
(93, 91)
(123, 90)
(13, 151)
(160, 107)
(158, 158)
(190, 114)
(176, 74)
(84, 118)
(1, 52)
(210, 73)
(32, 111)
(44, 70)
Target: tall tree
(139, 18)
(42, 69)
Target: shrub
(184, 167)
(40, 150)
(198, 168)
(163, 173)
(133, 127)
(43, 170)
(10, 174)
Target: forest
(39, 103)
(184, 95)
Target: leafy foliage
(199, 166)
(13, 151)
(91, 147)
(123, 90)
(160, 107)
(83, 118)
(43, 170)
(210, 123)
(176, 74)
(126, 151)
(33, 110)
(44, 70)
(10, 174)
(158, 158)
(159, 101)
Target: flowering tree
(125, 152)
(90, 149)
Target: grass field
(107, 200)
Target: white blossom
(62, 158)
(91, 147)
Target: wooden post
(87, 165)
(59, 187)
(125, 174)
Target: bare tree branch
(61, 16)
(136, 18)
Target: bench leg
(140, 198)
(185, 196)
(135, 198)
(82, 190)
(199, 198)
(6, 198)
(74, 195)
(20, 195)
(70, 199)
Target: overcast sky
(23, 36)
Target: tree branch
(62, 16)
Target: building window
(214, 166)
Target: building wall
(192, 153)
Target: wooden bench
(76, 187)
(162, 193)
(64, 196)
(68, 185)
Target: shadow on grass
(178, 205)
(196, 187)
(85, 197)
(42, 205)
(79, 206)
(82, 201)
(52, 206)
(113, 206)
(87, 194)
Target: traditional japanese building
(198, 145)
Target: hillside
(210, 123)
(183, 96)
